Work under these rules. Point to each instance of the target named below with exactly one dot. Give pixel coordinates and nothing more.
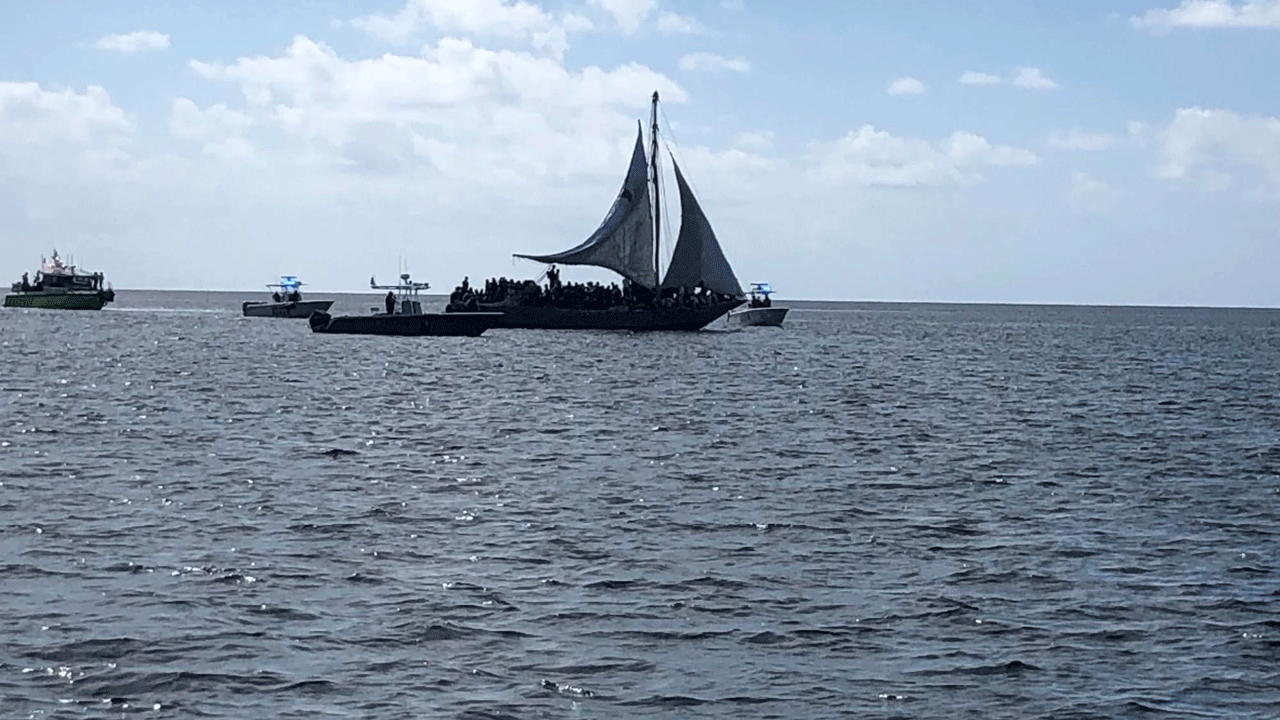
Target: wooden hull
(532, 317)
(301, 309)
(757, 317)
(437, 324)
(59, 300)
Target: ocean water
(876, 511)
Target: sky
(1020, 151)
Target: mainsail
(624, 241)
(697, 257)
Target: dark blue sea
(875, 511)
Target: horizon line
(992, 303)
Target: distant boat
(58, 286)
(699, 285)
(759, 310)
(286, 301)
(404, 316)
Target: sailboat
(699, 285)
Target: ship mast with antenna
(657, 210)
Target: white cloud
(969, 149)
(727, 173)
(1211, 14)
(30, 114)
(868, 156)
(496, 18)
(628, 14)
(1077, 139)
(186, 120)
(1209, 144)
(756, 141)
(670, 23)
(576, 23)
(905, 86)
(1089, 194)
(134, 41)
(712, 63)
(323, 148)
(1032, 79)
(972, 77)
(1084, 182)
(498, 115)
(50, 142)
(518, 19)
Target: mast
(657, 209)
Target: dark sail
(697, 257)
(624, 241)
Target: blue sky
(1085, 152)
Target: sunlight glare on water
(924, 511)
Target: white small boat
(759, 311)
(286, 301)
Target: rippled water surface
(877, 511)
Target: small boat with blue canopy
(759, 310)
(286, 301)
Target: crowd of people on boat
(578, 296)
(70, 281)
(290, 296)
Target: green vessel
(58, 286)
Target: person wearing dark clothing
(275, 296)
(391, 302)
(26, 283)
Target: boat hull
(436, 324)
(757, 317)
(532, 317)
(302, 309)
(59, 300)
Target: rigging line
(674, 143)
(675, 152)
(673, 146)
(672, 239)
